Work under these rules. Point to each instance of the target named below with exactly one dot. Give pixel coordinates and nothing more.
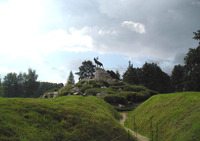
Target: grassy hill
(177, 116)
(67, 118)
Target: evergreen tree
(118, 74)
(70, 79)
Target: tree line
(183, 78)
(25, 85)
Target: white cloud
(136, 27)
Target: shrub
(64, 93)
(151, 92)
(118, 84)
(66, 88)
(135, 96)
(116, 88)
(85, 87)
(104, 82)
(94, 91)
(134, 88)
(115, 98)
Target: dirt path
(137, 135)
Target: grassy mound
(177, 116)
(65, 118)
(118, 92)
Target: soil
(138, 136)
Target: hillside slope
(177, 116)
(67, 118)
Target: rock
(101, 74)
(119, 90)
(121, 106)
(103, 87)
(101, 95)
(75, 89)
(50, 95)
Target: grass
(65, 118)
(177, 116)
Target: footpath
(137, 135)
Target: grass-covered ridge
(67, 118)
(177, 115)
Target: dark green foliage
(197, 35)
(155, 79)
(45, 87)
(64, 93)
(85, 87)
(132, 75)
(86, 70)
(136, 96)
(178, 78)
(66, 118)
(113, 74)
(22, 85)
(115, 98)
(134, 88)
(192, 70)
(150, 76)
(70, 80)
(94, 91)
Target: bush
(118, 84)
(115, 98)
(135, 96)
(85, 87)
(64, 93)
(104, 82)
(134, 88)
(151, 92)
(66, 88)
(94, 91)
(116, 88)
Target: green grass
(177, 116)
(67, 118)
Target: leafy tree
(10, 85)
(155, 79)
(46, 86)
(132, 75)
(70, 79)
(197, 35)
(177, 78)
(192, 67)
(87, 70)
(30, 84)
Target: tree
(10, 85)
(197, 35)
(118, 74)
(177, 78)
(87, 70)
(155, 79)
(30, 83)
(70, 79)
(128, 76)
(192, 67)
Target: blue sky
(54, 37)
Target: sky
(54, 37)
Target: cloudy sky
(56, 36)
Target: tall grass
(177, 116)
(65, 118)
